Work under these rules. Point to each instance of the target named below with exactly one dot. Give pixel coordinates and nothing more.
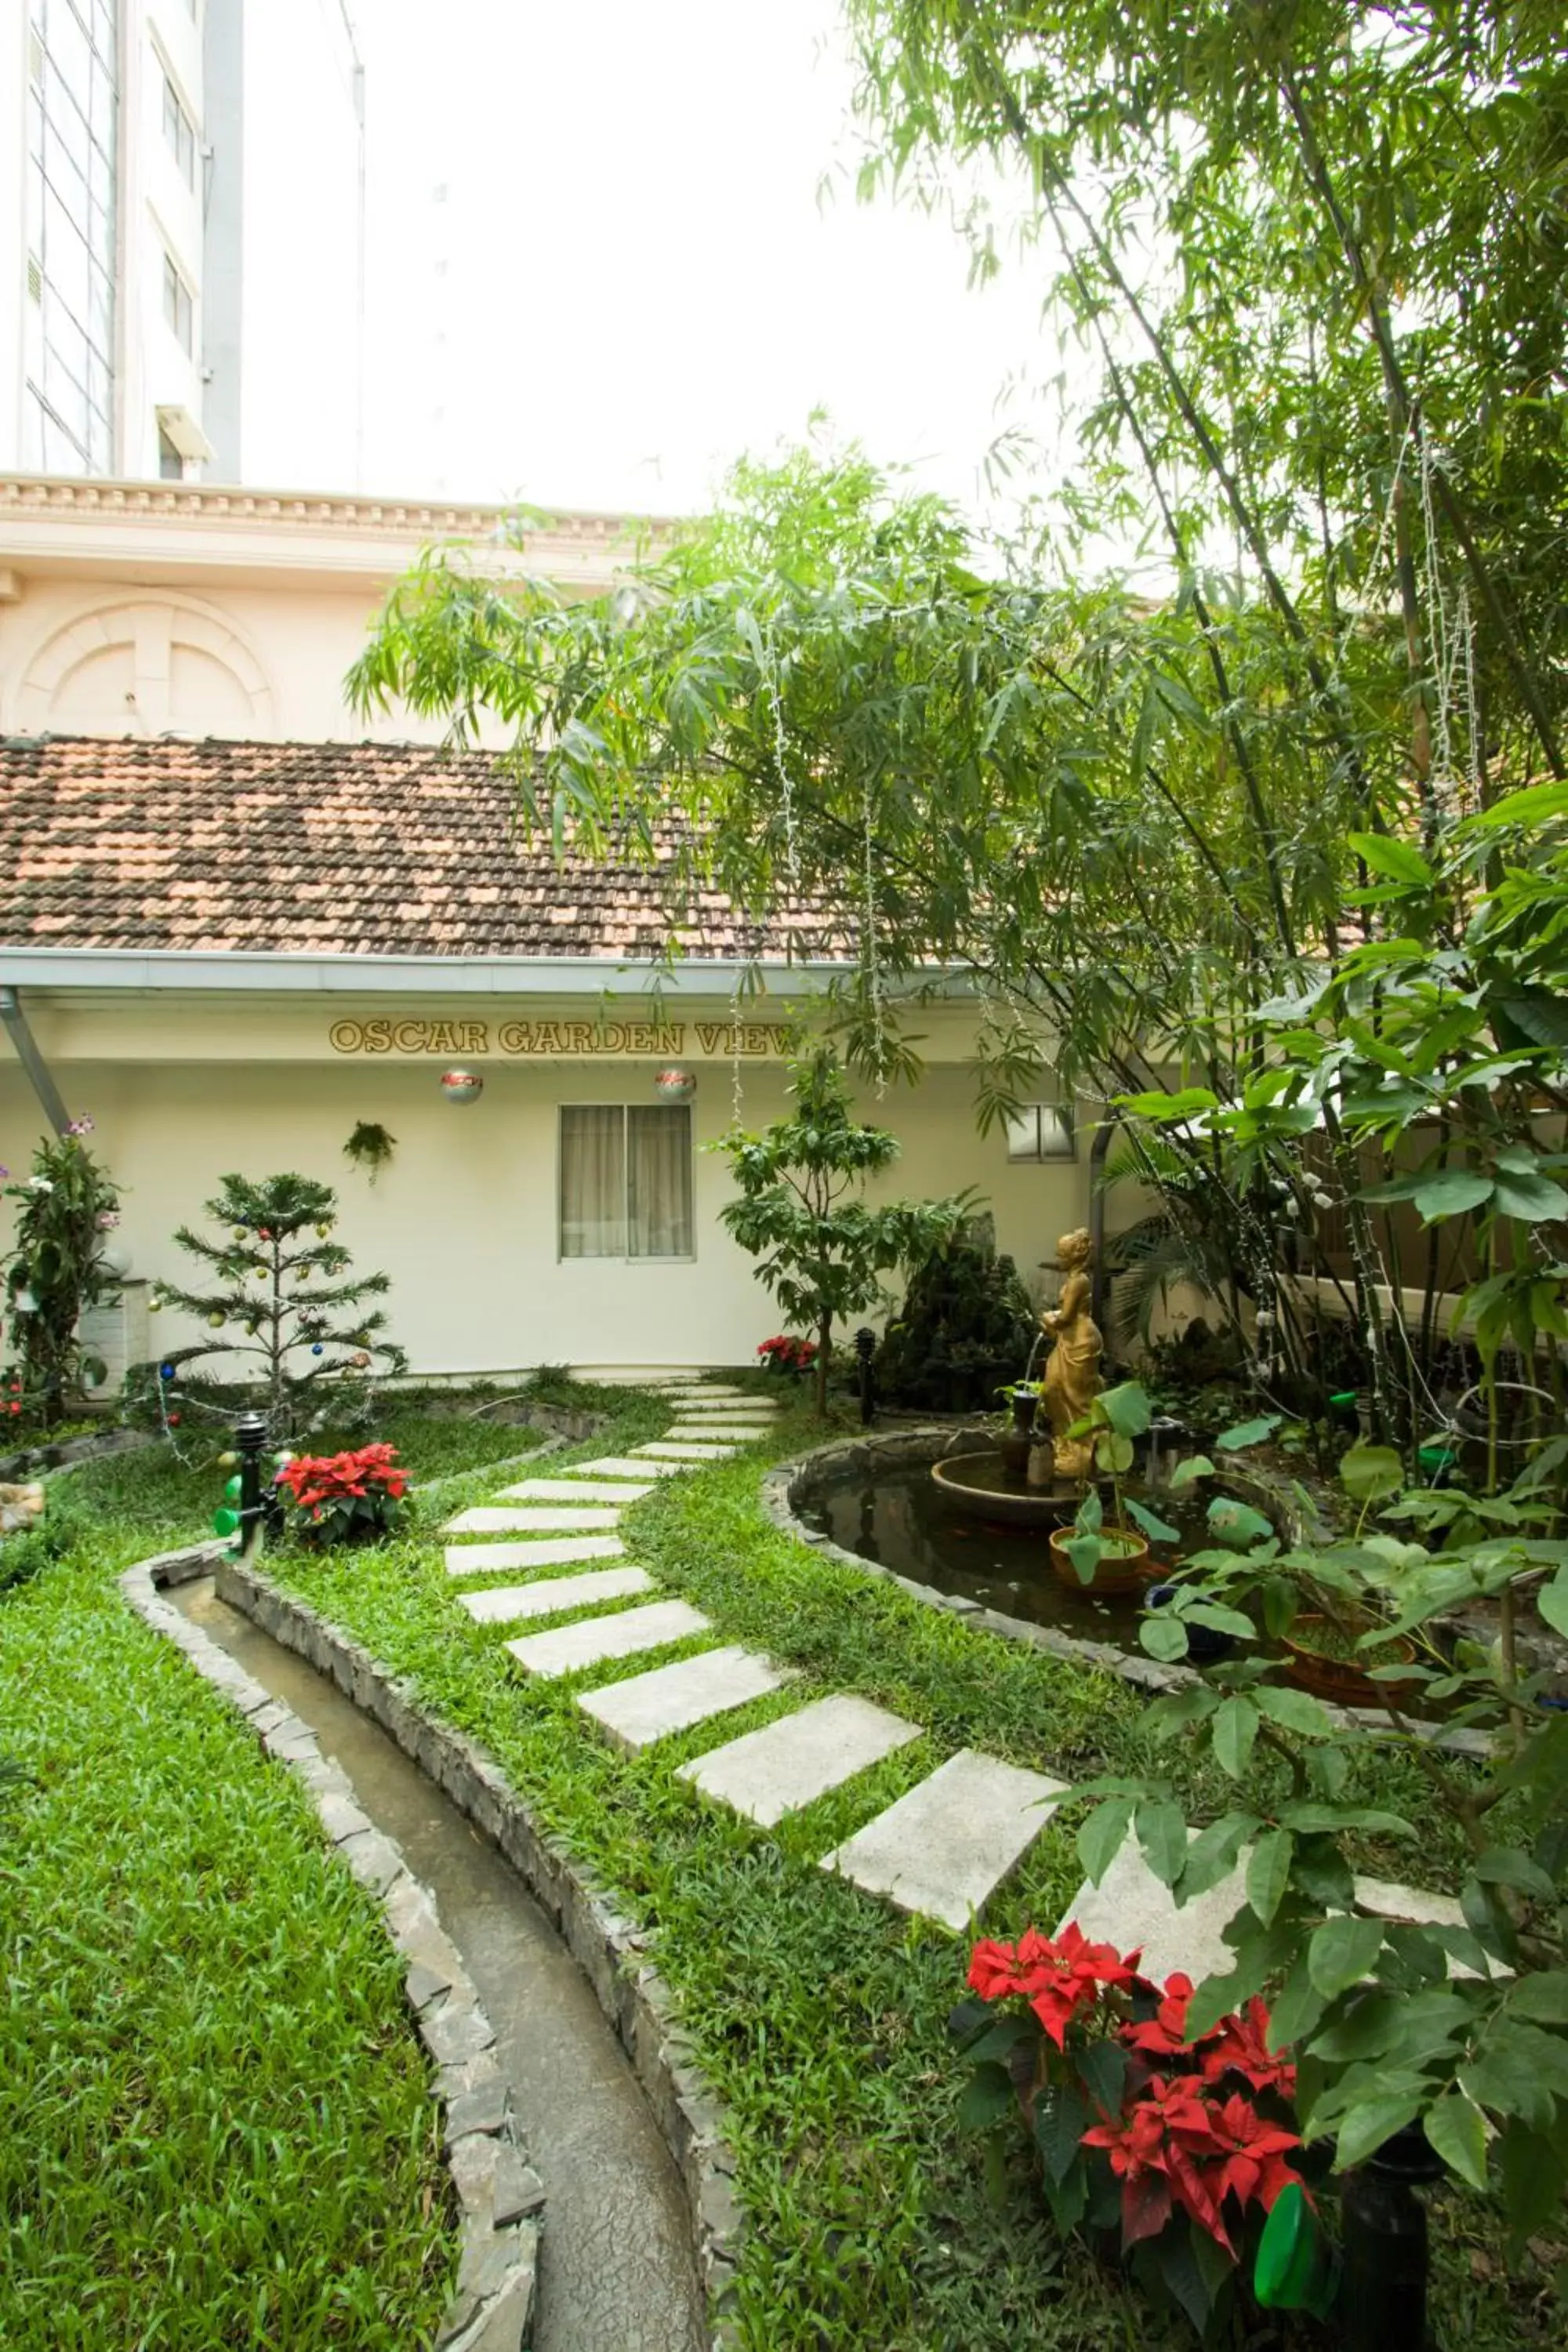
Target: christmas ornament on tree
(303, 1356)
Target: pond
(897, 1518)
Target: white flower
(39, 1185)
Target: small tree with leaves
(68, 1208)
(819, 1252)
(285, 1299)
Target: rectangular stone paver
(621, 1465)
(548, 1596)
(1133, 1909)
(728, 1433)
(768, 1773)
(645, 1708)
(948, 1844)
(662, 1450)
(496, 1519)
(550, 1551)
(594, 1639)
(575, 1490)
(732, 1401)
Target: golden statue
(1072, 1371)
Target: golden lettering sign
(562, 1040)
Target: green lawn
(818, 2014)
(216, 2124)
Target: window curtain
(592, 1181)
(658, 1180)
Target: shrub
(965, 1328)
(342, 1498)
(68, 1208)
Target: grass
(216, 2119)
(818, 2013)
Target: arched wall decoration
(148, 635)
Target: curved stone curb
(499, 2195)
(607, 1947)
(791, 1484)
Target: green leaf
(1369, 1472)
(1331, 1820)
(1296, 2010)
(1396, 859)
(1342, 1953)
(1369, 2123)
(1184, 1105)
(1505, 1867)
(1162, 1834)
(1543, 1997)
(1451, 1192)
(1102, 2070)
(1457, 2131)
(1157, 1529)
(988, 2099)
(1247, 1432)
(1227, 1517)
(1163, 1635)
(1174, 1714)
(1126, 1409)
(1196, 1466)
(1294, 1710)
(1233, 1734)
(1530, 1199)
(1101, 1836)
(1086, 1553)
(1212, 1854)
(1269, 1872)
(1061, 2120)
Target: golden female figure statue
(1072, 1371)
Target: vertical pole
(250, 1439)
(865, 1348)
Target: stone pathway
(940, 1849)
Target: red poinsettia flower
(1240, 2046)
(1164, 2035)
(1251, 2152)
(1058, 1977)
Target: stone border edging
(607, 1947)
(786, 1486)
(499, 2195)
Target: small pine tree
(282, 1288)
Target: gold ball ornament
(322, 1231)
(261, 1274)
(361, 1359)
(228, 1462)
(154, 1307)
(215, 1322)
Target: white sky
(630, 280)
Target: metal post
(865, 1348)
(32, 1061)
(250, 1440)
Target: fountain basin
(978, 1484)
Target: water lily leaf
(1229, 1517)
(1196, 1466)
(1367, 1472)
(1157, 1529)
(1247, 1432)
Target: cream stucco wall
(464, 1218)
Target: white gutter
(192, 972)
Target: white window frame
(177, 121)
(1041, 1132)
(623, 1257)
(177, 288)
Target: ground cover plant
(215, 2121)
(820, 2015)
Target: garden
(1264, 869)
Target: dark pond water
(900, 1520)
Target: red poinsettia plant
(785, 1353)
(345, 1498)
(1177, 2142)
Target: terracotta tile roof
(320, 849)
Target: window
(626, 1179)
(1041, 1131)
(177, 306)
(180, 133)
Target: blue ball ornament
(165, 1371)
(318, 1350)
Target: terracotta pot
(1340, 1680)
(1125, 1569)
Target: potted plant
(1168, 2147)
(1091, 1553)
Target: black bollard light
(250, 1441)
(865, 1348)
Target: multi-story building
(143, 253)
